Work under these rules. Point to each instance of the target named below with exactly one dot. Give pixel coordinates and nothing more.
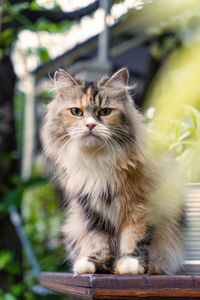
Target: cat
(124, 206)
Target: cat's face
(96, 115)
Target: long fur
(124, 206)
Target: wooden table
(100, 286)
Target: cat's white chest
(94, 177)
(88, 173)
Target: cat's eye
(76, 111)
(105, 111)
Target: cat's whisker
(100, 147)
(119, 148)
(112, 150)
(123, 135)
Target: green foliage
(13, 13)
(8, 297)
(18, 289)
(15, 9)
(5, 258)
(8, 264)
(14, 196)
(11, 270)
(43, 54)
(19, 105)
(43, 219)
(183, 141)
(45, 25)
(7, 37)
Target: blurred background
(159, 42)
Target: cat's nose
(91, 126)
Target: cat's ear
(120, 77)
(63, 81)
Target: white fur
(90, 120)
(83, 266)
(89, 171)
(129, 265)
(92, 173)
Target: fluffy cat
(124, 207)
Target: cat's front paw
(83, 266)
(129, 266)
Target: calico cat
(124, 206)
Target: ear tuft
(63, 81)
(120, 77)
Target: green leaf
(29, 296)
(35, 181)
(5, 258)
(177, 130)
(8, 297)
(184, 135)
(12, 198)
(16, 8)
(13, 268)
(44, 25)
(6, 19)
(18, 289)
(195, 119)
(7, 36)
(35, 6)
(43, 54)
(195, 116)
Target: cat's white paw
(129, 266)
(83, 266)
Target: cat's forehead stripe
(85, 101)
(93, 86)
(88, 96)
(89, 93)
(92, 97)
(91, 90)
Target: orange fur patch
(112, 119)
(88, 96)
(69, 118)
(131, 234)
(119, 263)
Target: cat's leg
(134, 243)
(166, 253)
(95, 254)
(90, 250)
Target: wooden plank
(101, 286)
(112, 294)
(77, 291)
(141, 298)
(144, 282)
(66, 278)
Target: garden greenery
(182, 139)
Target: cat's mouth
(91, 134)
(91, 141)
